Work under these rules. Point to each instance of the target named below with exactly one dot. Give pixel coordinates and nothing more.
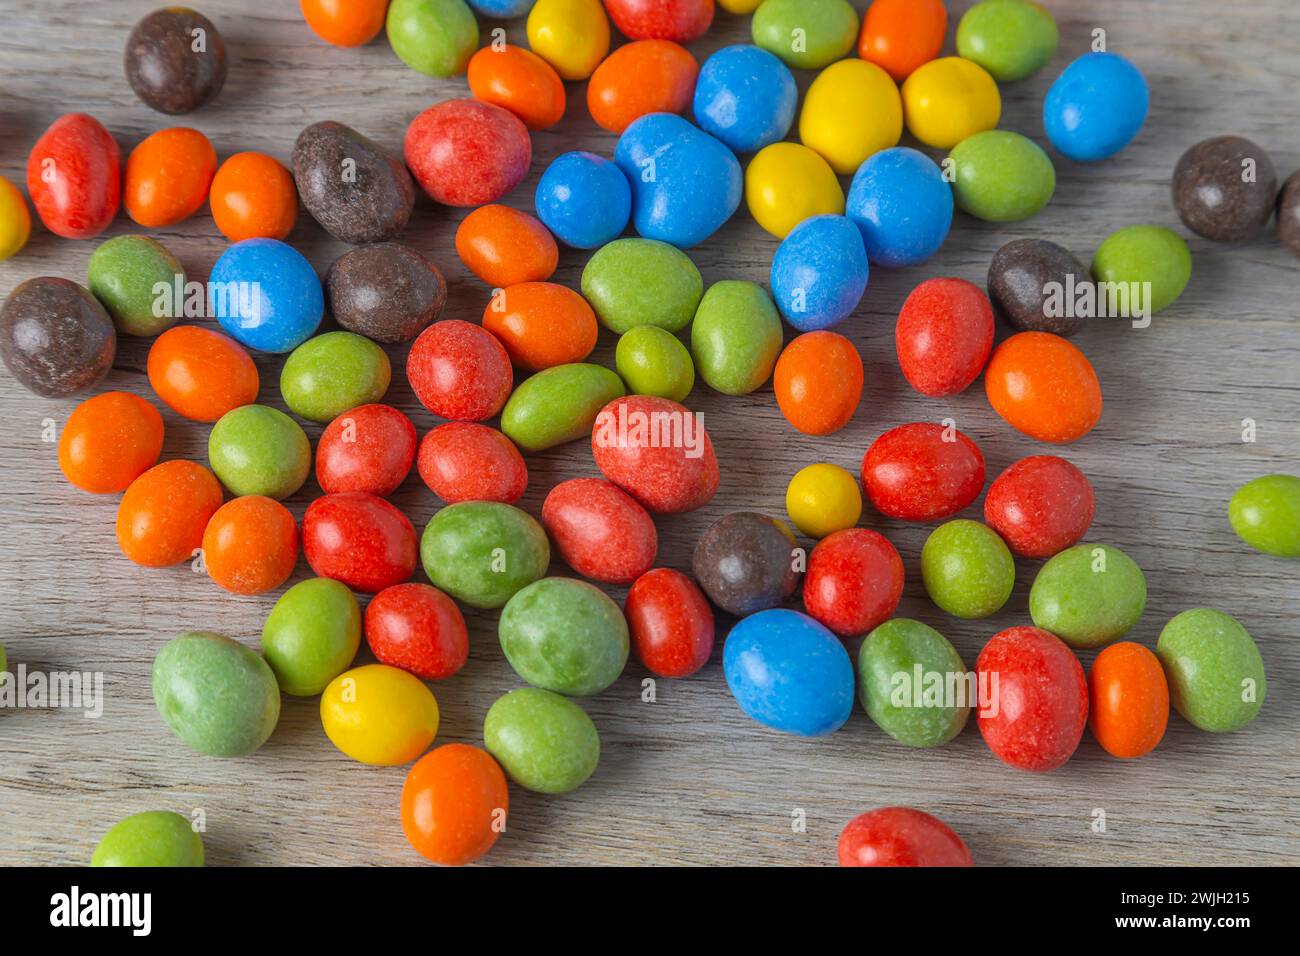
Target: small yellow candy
(571, 35)
(822, 499)
(379, 715)
(15, 220)
(851, 111)
(787, 183)
(949, 99)
(739, 6)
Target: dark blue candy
(266, 295)
(584, 199)
(746, 97)
(819, 272)
(902, 205)
(1096, 107)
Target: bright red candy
(657, 451)
(922, 472)
(944, 335)
(466, 461)
(901, 836)
(679, 20)
(670, 623)
(367, 448)
(1041, 505)
(600, 530)
(359, 539)
(74, 176)
(419, 629)
(853, 582)
(1037, 698)
(466, 152)
(459, 371)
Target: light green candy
(967, 569)
(1001, 176)
(334, 372)
(736, 337)
(1140, 254)
(1216, 676)
(653, 361)
(889, 689)
(558, 405)
(1265, 513)
(124, 273)
(435, 37)
(631, 282)
(259, 450)
(807, 34)
(564, 635)
(545, 742)
(156, 838)
(483, 552)
(1011, 39)
(311, 635)
(1088, 595)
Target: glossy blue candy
(685, 183)
(266, 295)
(746, 97)
(901, 205)
(501, 9)
(584, 199)
(819, 272)
(1096, 107)
(789, 672)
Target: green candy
(1216, 676)
(808, 34)
(124, 273)
(631, 282)
(1264, 512)
(546, 742)
(311, 635)
(331, 373)
(258, 450)
(1142, 254)
(736, 337)
(564, 635)
(912, 707)
(1001, 176)
(967, 569)
(558, 405)
(215, 694)
(1011, 39)
(1088, 595)
(435, 37)
(653, 361)
(483, 552)
(154, 838)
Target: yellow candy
(786, 183)
(379, 715)
(15, 220)
(739, 6)
(851, 111)
(822, 499)
(571, 35)
(949, 99)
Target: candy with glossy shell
(175, 60)
(1095, 107)
(454, 803)
(1144, 269)
(434, 37)
(922, 715)
(902, 205)
(967, 569)
(1288, 214)
(155, 838)
(267, 295)
(250, 545)
(1225, 188)
(1040, 505)
(253, 196)
(1001, 176)
(657, 451)
(670, 623)
(55, 337)
(633, 282)
(15, 220)
(653, 361)
(483, 552)
(1129, 705)
(680, 20)
(123, 274)
(564, 635)
(359, 539)
(162, 514)
(467, 153)
(747, 562)
(901, 35)
(1011, 40)
(345, 22)
(459, 371)
(1265, 513)
(259, 450)
(168, 177)
(387, 292)
(541, 324)
(854, 581)
(331, 373)
(201, 374)
(786, 183)
(826, 27)
(109, 441)
(74, 177)
(571, 35)
(559, 404)
(505, 247)
(644, 76)
(311, 635)
(545, 742)
(501, 9)
(948, 100)
(944, 336)
(851, 111)
(1044, 387)
(822, 499)
(379, 715)
(368, 448)
(584, 199)
(746, 97)
(735, 337)
(351, 185)
(900, 836)
(1216, 676)
(818, 382)
(1034, 285)
(520, 81)
(419, 629)
(466, 461)
(599, 530)
(922, 472)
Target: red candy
(1041, 505)
(459, 371)
(1041, 698)
(854, 581)
(679, 20)
(944, 336)
(466, 152)
(74, 176)
(600, 530)
(359, 539)
(657, 451)
(369, 448)
(901, 836)
(922, 472)
(419, 629)
(466, 461)
(670, 623)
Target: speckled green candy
(1216, 676)
(311, 635)
(545, 742)
(967, 569)
(632, 282)
(736, 337)
(152, 838)
(258, 450)
(483, 552)
(216, 695)
(1088, 595)
(435, 37)
(1139, 254)
(653, 361)
(564, 635)
(1011, 39)
(828, 27)
(331, 373)
(913, 710)
(1264, 512)
(558, 405)
(123, 273)
(1001, 176)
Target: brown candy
(1224, 188)
(55, 337)
(1023, 277)
(745, 562)
(175, 60)
(1288, 214)
(350, 185)
(387, 292)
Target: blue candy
(746, 97)
(685, 183)
(501, 9)
(1096, 107)
(902, 206)
(266, 295)
(584, 199)
(789, 672)
(819, 272)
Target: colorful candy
(1001, 176)
(822, 499)
(653, 361)
(175, 60)
(901, 35)
(818, 382)
(599, 530)
(634, 282)
(520, 81)
(967, 569)
(162, 514)
(253, 196)
(15, 220)
(467, 153)
(657, 451)
(1030, 283)
(571, 35)
(359, 539)
(559, 404)
(1129, 700)
(541, 324)
(352, 186)
(680, 20)
(168, 177)
(787, 183)
(745, 97)
(854, 581)
(259, 450)
(419, 629)
(948, 100)
(155, 838)
(379, 715)
(345, 23)
(807, 34)
(326, 375)
(1264, 512)
(1216, 676)
(904, 708)
(1096, 107)
(1043, 386)
(922, 472)
(545, 742)
(584, 199)
(433, 37)
(387, 292)
(74, 177)
(564, 635)
(900, 836)
(109, 441)
(483, 552)
(851, 112)
(736, 337)
(670, 623)
(819, 272)
(747, 562)
(902, 205)
(1012, 40)
(505, 247)
(1145, 269)
(201, 374)
(368, 448)
(124, 273)
(466, 461)
(1040, 505)
(266, 295)
(454, 802)
(250, 545)
(1088, 595)
(459, 371)
(311, 635)
(644, 76)
(944, 336)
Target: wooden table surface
(688, 778)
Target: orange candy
(167, 176)
(1129, 709)
(818, 382)
(900, 35)
(503, 246)
(520, 81)
(110, 440)
(201, 374)
(345, 22)
(250, 545)
(541, 324)
(645, 76)
(1044, 387)
(454, 804)
(160, 519)
(253, 197)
